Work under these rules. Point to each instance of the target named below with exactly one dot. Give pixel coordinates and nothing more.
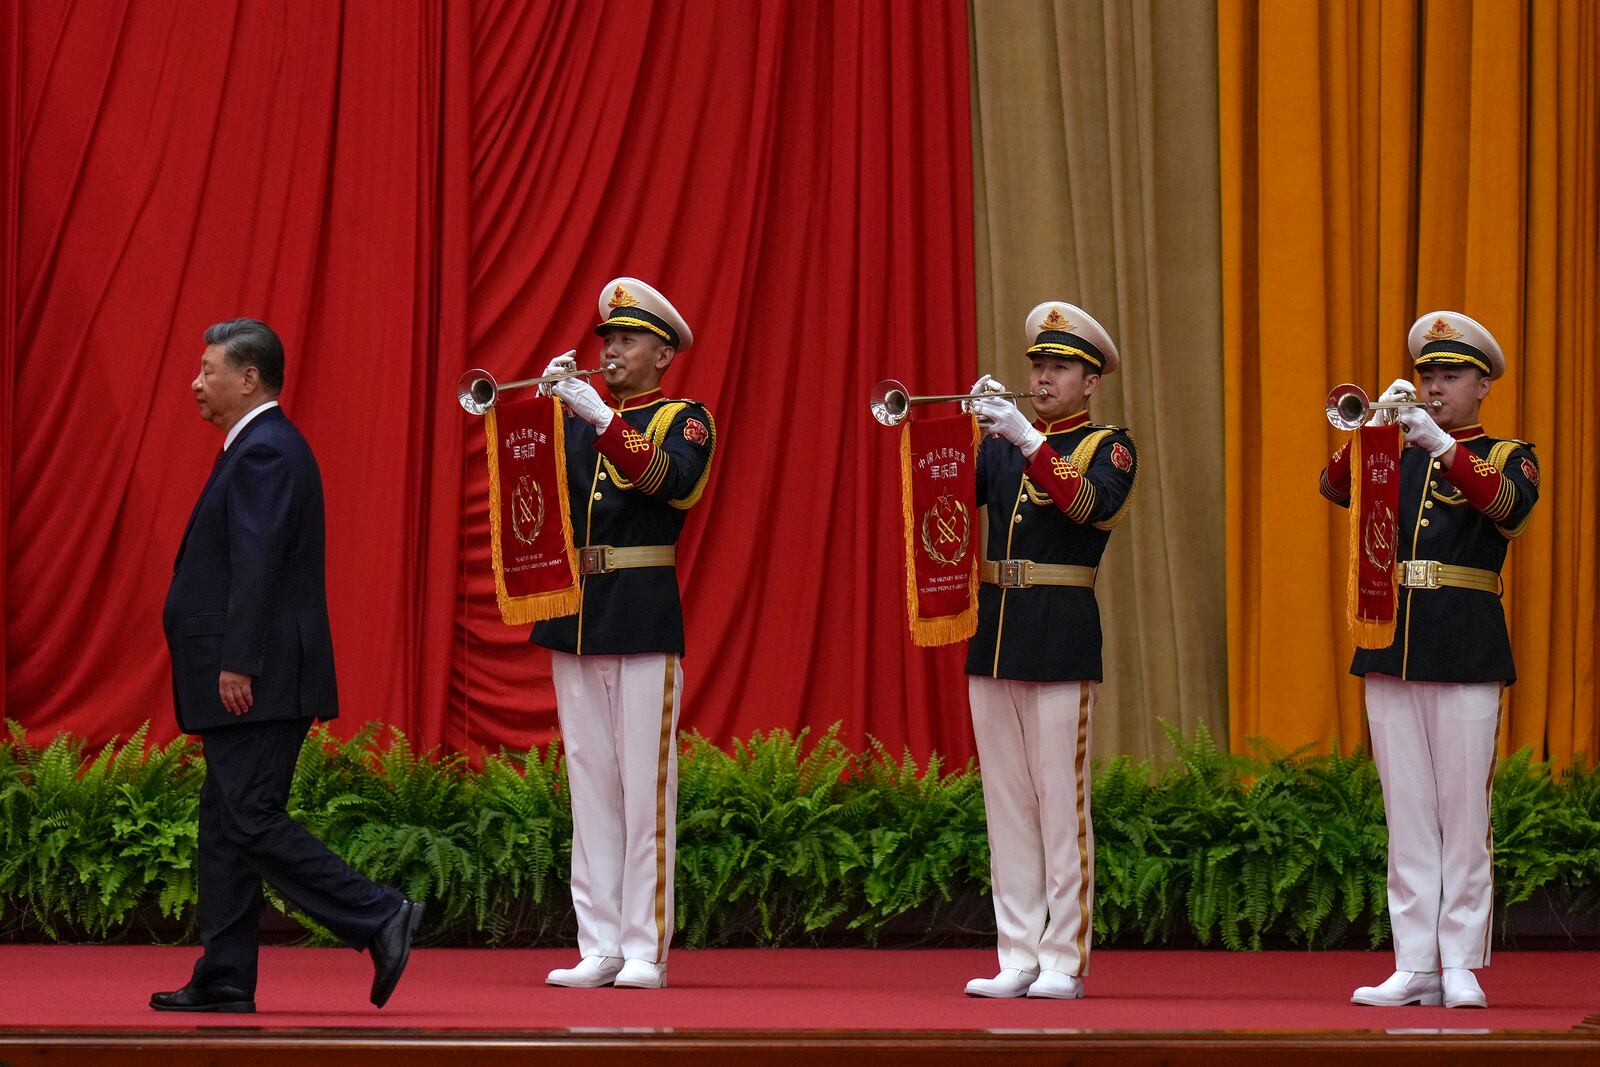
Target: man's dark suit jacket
(248, 591)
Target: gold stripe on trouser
(1085, 838)
(1488, 837)
(665, 752)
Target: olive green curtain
(1096, 181)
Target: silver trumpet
(477, 391)
(891, 402)
(1348, 406)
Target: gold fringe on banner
(944, 629)
(1368, 633)
(518, 611)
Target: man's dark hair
(251, 343)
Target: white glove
(986, 384)
(562, 364)
(1423, 432)
(1004, 419)
(585, 403)
(1399, 389)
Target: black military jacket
(638, 610)
(1047, 633)
(1450, 634)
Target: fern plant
(782, 839)
(762, 838)
(87, 842)
(924, 836)
(523, 835)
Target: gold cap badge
(621, 298)
(1441, 331)
(1056, 321)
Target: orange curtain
(1379, 160)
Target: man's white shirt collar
(242, 423)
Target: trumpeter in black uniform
(634, 468)
(1433, 696)
(1053, 491)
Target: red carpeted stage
(62, 1004)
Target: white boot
(1401, 988)
(1011, 982)
(591, 971)
(642, 974)
(1056, 985)
(1461, 989)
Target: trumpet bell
(1347, 407)
(477, 391)
(890, 402)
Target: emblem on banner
(946, 530)
(1530, 471)
(527, 510)
(695, 431)
(1378, 539)
(1121, 458)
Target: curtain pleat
(408, 190)
(181, 164)
(1096, 181)
(797, 181)
(10, 106)
(1380, 160)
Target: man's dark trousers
(247, 836)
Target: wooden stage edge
(240, 1047)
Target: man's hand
(1423, 432)
(235, 691)
(983, 385)
(562, 364)
(1004, 419)
(585, 403)
(1399, 389)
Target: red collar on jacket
(1071, 422)
(640, 401)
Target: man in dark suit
(246, 621)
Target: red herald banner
(937, 490)
(1374, 533)
(530, 529)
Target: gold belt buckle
(1422, 574)
(593, 559)
(1012, 574)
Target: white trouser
(619, 727)
(1434, 743)
(1033, 748)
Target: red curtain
(406, 190)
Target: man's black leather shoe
(391, 950)
(211, 998)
